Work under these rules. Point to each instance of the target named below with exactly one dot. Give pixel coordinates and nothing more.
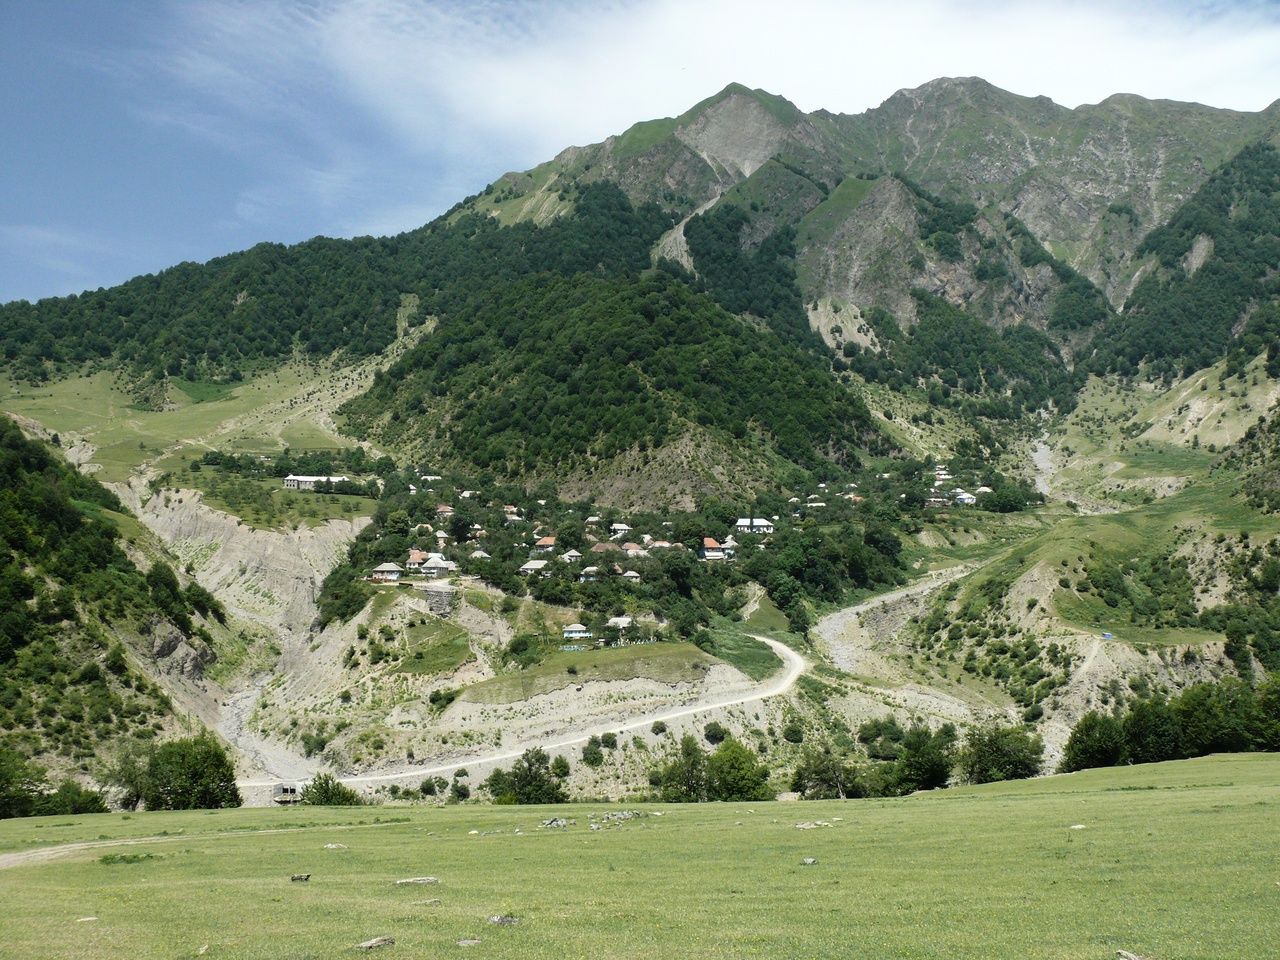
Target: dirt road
(794, 665)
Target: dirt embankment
(269, 579)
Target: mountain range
(956, 200)
(744, 311)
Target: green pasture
(434, 646)
(101, 410)
(768, 619)
(754, 658)
(664, 662)
(266, 504)
(1171, 860)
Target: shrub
(530, 780)
(327, 791)
(609, 741)
(715, 733)
(793, 733)
(592, 755)
(996, 753)
(70, 798)
(734, 774)
(1152, 732)
(658, 728)
(1096, 741)
(190, 774)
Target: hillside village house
(576, 631)
(711, 549)
(387, 572)
(535, 566)
(295, 482)
(754, 525)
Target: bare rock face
(869, 260)
(175, 653)
(737, 134)
(269, 576)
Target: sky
(136, 134)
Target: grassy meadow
(1171, 860)
(253, 416)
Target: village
(601, 564)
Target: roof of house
(546, 542)
(534, 565)
(388, 568)
(710, 544)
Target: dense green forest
(238, 311)
(67, 590)
(761, 282)
(966, 364)
(555, 372)
(1179, 318)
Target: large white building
(294, 482)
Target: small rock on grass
(376, 942)
(335, 846)
(468, 942)
(418, 880)
(809, 861)
(504, 919)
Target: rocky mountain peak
(740, 130)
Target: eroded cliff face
(270, 577)
(875, 257)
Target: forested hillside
(69, 594)
(554, 372)
(238, 312)
(1215, 265)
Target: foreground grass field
(1175, 860)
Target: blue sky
(135, 134)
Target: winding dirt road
(794, 665)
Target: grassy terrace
(1170, 860)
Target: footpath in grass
(1172, 860)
